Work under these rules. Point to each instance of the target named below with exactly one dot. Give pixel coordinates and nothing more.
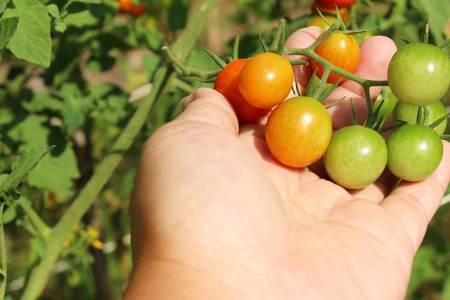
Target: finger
(376, 53)
(209, 107)
(302, 38)
(414, 204)
(380, 189)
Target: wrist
(171, 280)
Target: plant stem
(4, 269)
(64, 227)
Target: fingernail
(186, 101)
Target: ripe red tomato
(298, 132)
(136, 9)
(332, 3)
(343, 11)
(266, 80)
(341, 50)
(227, 83)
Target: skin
(214, 216)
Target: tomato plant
(266, 80)
(419, 73)
(408, 113)
(333, 3)
(414, 152)
(356, 156)
(341, 50)
(227, 83)
(136, 9)
(298, 131)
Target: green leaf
(3, 4)
(21, 167)
(437, 12)
(87, 1)
(57, 171)
(74, 106)
(178, 14)
(40, 102)
(7, 28)
(32, 41)
(39, 245)
(53, 10)
(150, 63)
(79, 15)
(9, 214)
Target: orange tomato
(298, 132)
(341, 50)
(227, 83)
(266, 80)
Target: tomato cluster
(298, 131)
(419, 75)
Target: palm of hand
(264, 230)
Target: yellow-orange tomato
(319, 22)
(341, 50)
(266, 80)
(343, 11)
(227, 83)
(298, 132)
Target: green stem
(4, 269)
(37, 222)
(59, 234)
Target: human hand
(214, 216)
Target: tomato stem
(188, 71)
(280, 38)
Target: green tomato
(408, 113)
(419, 73)
(414, 152)
(356, 157)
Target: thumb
(209, 107)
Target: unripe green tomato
(414, 152)
(356, 156)
(419, 73)
(408, 113)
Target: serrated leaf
(7, 28)
(31, 41)
(74, 106)
(21, 167)
(40, 102)
(55, 172)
